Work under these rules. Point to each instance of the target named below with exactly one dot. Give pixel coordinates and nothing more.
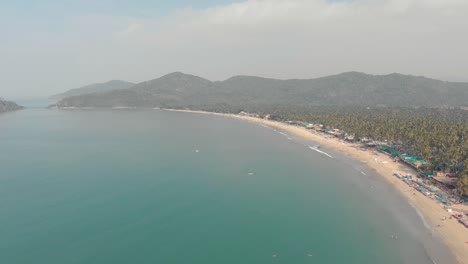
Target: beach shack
(391, 151)
(309, 125)
(412, 161)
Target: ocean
(152, 186)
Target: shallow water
(131, 187)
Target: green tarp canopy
(392, 151)
(412, 158)
(429, 173)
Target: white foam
(323, 152)
(286, 135)
(426, 225)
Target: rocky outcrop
(6, 106)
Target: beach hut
(391, 151)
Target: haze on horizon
(51, 46)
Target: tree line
(437, 135)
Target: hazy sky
(52, 46)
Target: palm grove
(437, 135)
(409, 112)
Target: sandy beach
(454, 234)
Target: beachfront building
(334, 132)
(242, 113)
(412, 161)
(391, 151)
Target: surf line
(277, 131)
(324, 153)
(286, 135)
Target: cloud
(306, 38)
(272, 38)
(255, 12)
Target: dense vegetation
(95, 88)
(440, 136)
(349, 89)
(387, 107)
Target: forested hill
(179, 90)
(6, 106)
(95, 88)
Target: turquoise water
(130, 187)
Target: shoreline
(453, 234)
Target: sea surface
(155, 186)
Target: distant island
(94, 88)
(6, 106)
(179, 90)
